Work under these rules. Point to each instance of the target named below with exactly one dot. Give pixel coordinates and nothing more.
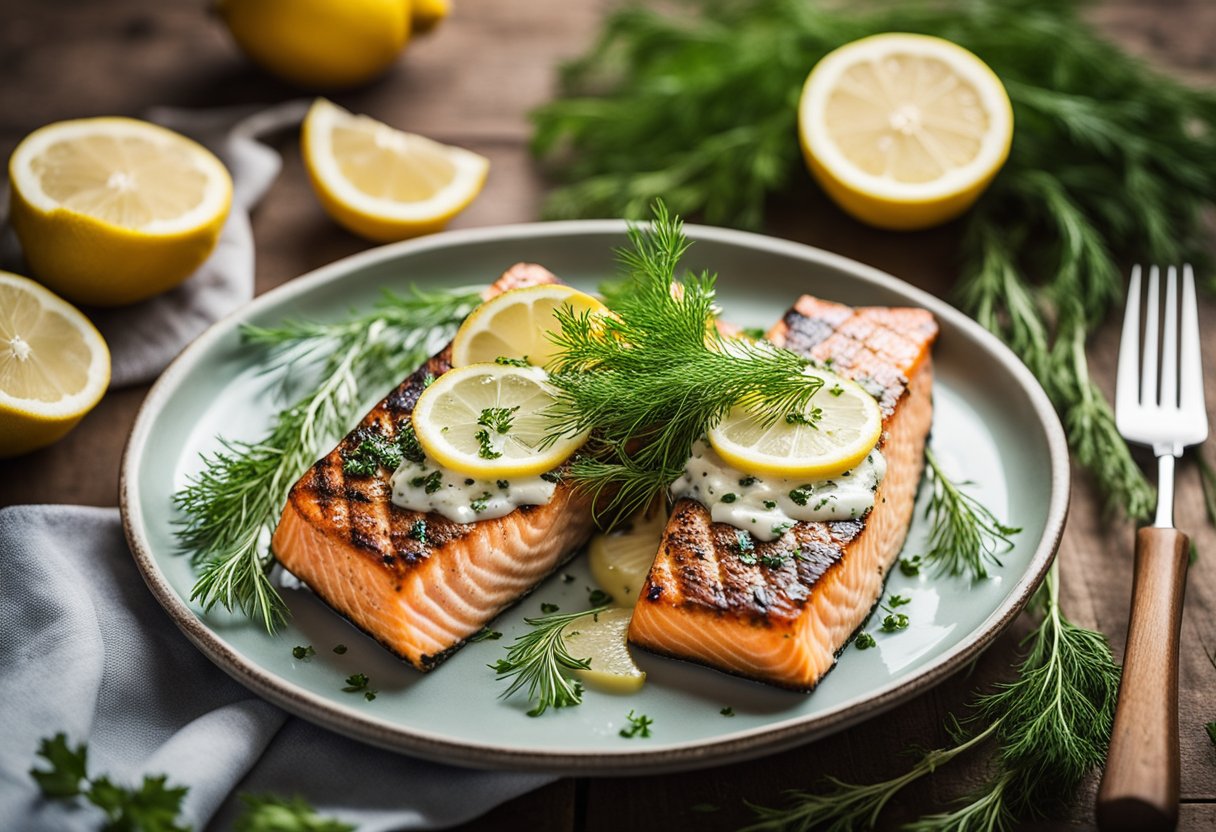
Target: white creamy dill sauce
(768, 506)
(429, 487)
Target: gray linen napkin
(85, 649)
(146, 336)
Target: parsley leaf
(267, 813)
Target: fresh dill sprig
(651, 379)
(696, 103)
(538, 660)
(230, 506)
(964, 535)
(1051, 724)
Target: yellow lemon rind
(484, 314)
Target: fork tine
(1127, 380)
(1169, 343)
(1148, 376)
(1191, 377)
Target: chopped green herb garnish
(748, 481)
(503, 484)
(547, 608)
(775, 560)
(418, 531)
(567, 578)
(512, 362)
(639, 726)
(864, 641)
(339, 649)
(551, 476)
(428, 380)
(481, 503)
(836, 390)
(727, 711)
(894, 621)
(497, 419)
(899, 600)
(370, 454)
(598, 598)
(781, 528)
(811, 419)
(303, 652)
(747, 549)
(432, 482)
(486, 634)
(770, 504)
(910, 566)
(359, 683)
(729, 497)
(801, 495)
(268, 813)
(485, 448)
(754, 332)
(407, 442)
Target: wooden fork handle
(1140, 785)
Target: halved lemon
(604, 639)
(382, 183)
(620, 561)
(54, 366)
(841, 426)
(111, 211)
(485, 420)
(516, 324)
(904, 131)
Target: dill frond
(964, 535)
(229, 507)
(651, 379)
(537, 660)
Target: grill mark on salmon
(345, 538)
(786, 624)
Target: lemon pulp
(54, 366)
(603, 638)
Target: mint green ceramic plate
(992, 425)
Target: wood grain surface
(473, 84)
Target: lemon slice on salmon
(603, 638)
(904, 131)
(620, 561)
(516, 325)
(841, 425)
(111, 211)
(487, 421)
(385, 184)
(54, 366)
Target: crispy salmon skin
(418, 583)
(783, 617)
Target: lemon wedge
(904, 131)
(603, 639)
(111, 211)
(485, 420)
(54, 366)
(841, 426)
(381, 183)
(516, 324)
(620, 561)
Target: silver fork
(1158, 402)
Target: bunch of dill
(1110, 159)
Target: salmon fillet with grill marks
(362, 554)
(785, 624)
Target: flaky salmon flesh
(785, 624)
(421, 598)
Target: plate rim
(688, 755)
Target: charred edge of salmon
(355, 513)
(879, 343)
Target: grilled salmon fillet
(785, 624)
(420, 590)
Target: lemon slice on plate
(54, 366)
(516, 324)
(485, 420)
(381, 183)
(904, 131)
(620, 561)
(114, 210)
(603, 639)
(842, 425)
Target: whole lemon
(320, 44)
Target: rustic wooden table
(473, 84)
